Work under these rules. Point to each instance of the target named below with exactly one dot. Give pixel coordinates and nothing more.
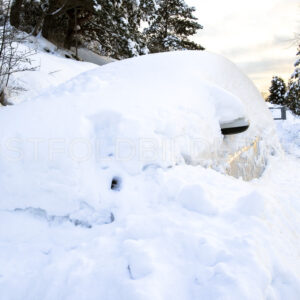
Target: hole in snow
(130, 272)
(187, 158)
(116, 184)
(112, 218)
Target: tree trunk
(4, 97)
(69, 40)
(15, 13)
(39, 24)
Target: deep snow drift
(83, 219)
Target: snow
(290, 134)
(170, 228)
(193, 198)
(92, 57)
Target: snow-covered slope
(103, 196)
(52, 69)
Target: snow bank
(290, 133)
(104, 194)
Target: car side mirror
(233, 127)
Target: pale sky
(257, 35)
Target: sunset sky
(257, 34)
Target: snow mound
(193, 198)
(251, 205)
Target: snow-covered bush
(12, 59)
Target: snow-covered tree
(112, 26)
(277, 91)
(293, 91)
(148, 9)
(171, 26)
(115, 29)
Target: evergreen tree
(115, 29)
(293, 92)
(111, 27)
(293, 97)
(170, 27)
(147, 9)
(277, 91)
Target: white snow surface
(168, 229)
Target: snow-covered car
(175, 108)
(152, 112)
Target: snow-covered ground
(169, 229)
